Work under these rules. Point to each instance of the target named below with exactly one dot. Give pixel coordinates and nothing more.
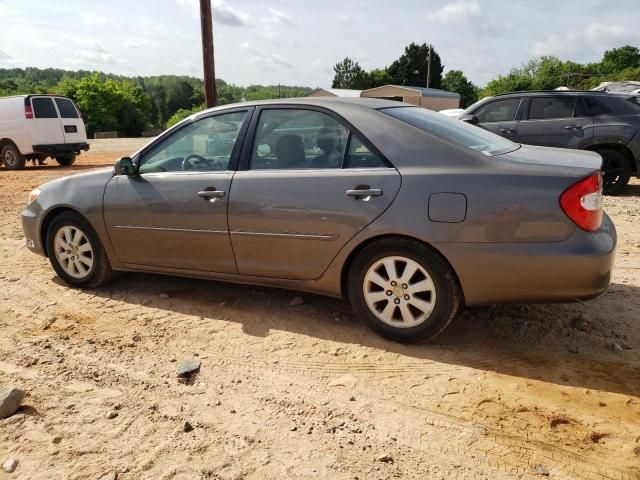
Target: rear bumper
(578, 268)
(61, 148)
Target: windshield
(455, 131)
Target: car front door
(499, 116)
(173, 212)
(307, 186)
(555, 121)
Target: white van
(35, 127)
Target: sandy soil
(507, 392)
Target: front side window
(205, 145)
(546, 108)
(498, 111)
(292, 139)
(67, 108)
(43, 108)
(452, 130)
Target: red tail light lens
(28, 112)
(582, 202)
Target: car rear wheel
(12, 158)
(76, 253)
(403, 290)
(616, 171)
(66, 160)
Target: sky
(296, 42)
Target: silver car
(408, 213)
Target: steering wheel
(187, 165)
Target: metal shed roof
(422, 91)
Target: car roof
(561, 93)
(327, 102)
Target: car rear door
(72, 124)
(554, 121)
(308, 184)
(499, 116)
(45, 127)
(173, 213)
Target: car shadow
(631, 190)
(587, 344)
(52, 167)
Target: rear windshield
(43, 108)
(66, 108)
(455, 131)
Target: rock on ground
(10, 400)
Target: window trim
(532, 98)
(235, 153)
(248, 144)
(515, 114)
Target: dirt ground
(306, 391)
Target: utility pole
(206, 24)
(429, 66)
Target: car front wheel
(403, 290)
(76, 253)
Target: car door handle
(364, 192)
(507, 131)
(573, 127)
(211, 193)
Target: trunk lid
(564, 158)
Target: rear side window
(43, 108)
(593, 108)
(360, 156)
(545, 108)
(67, 108)
(498, 111)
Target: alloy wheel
(399, 292)
(73, 251)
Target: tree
(411, 68)
(455, 81)
(349, 74)
(379, 77)
(620, 58)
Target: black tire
(99, 273)
(66, 160)
(11, 157)
(616, 171)
(448, 293)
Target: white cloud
(343, 18)
(267, 61)
(468, 14)
(95, 19)
(278, 16)
(46, 44)
(140, 43)
(583, 44)
(222, 12)
(453, 12)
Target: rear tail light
(582, 202)
(28, 112)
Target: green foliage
(455, 81)
(130, 105)
(379, 77)
(108, 103)
(349, 74)
(411, 67)
(548, 73)
(182, 114)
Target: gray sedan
(409, 214)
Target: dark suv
(606, 123)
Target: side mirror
(472, 119)
(124, 166)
